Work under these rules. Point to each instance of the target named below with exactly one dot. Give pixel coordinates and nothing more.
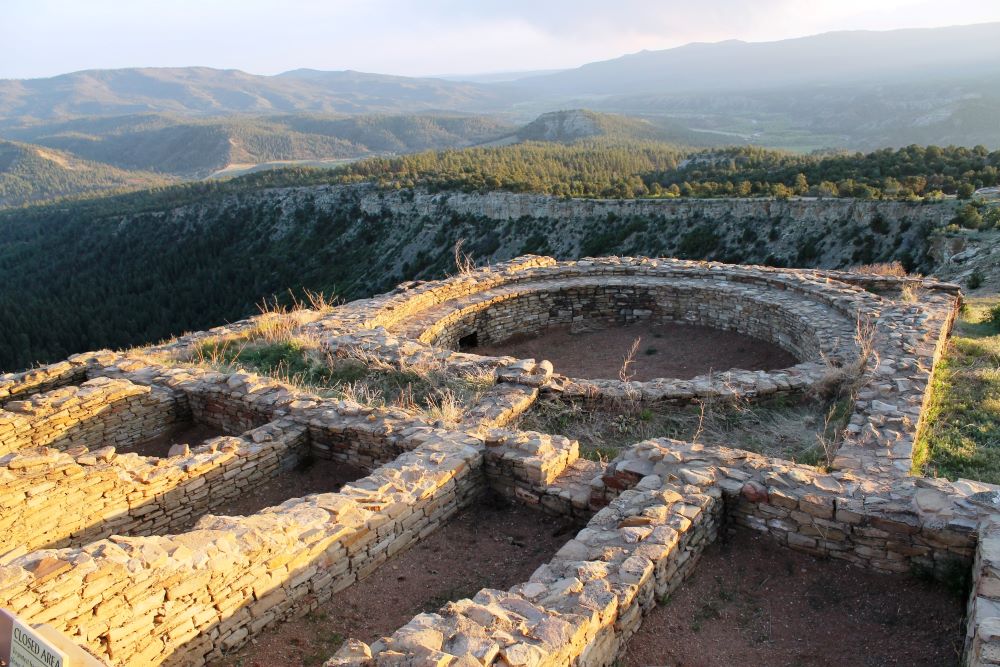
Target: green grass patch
(290, 361)
(961, 437)
(429, 389)
(788, 428)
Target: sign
(22, 645)
(30, 649)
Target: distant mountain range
(853, 90)
(933, 57)
(834, 58)
(207, 91)
(857, 90)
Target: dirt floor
(190, 433)
(487, 545)
(668, 350)
(751, 602)
(317, 476)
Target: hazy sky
(418, 37)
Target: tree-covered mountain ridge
(577, 153)
(74, 278)
(192, 147)
(35, 173)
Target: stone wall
(51, 499)
(365, 445)
(917, 527)
(186, 598)
(215, 406)
(20, 385)
(982, 642)
(99, 412)
(182, 599)
(582, 606)
(591, 305)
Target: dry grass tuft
(909, 293)
(889, 269)
(464, 263)
(277, 323)
(626, 372)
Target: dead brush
(782, 426)
(841, 387)
(444, 407)
(219, 354)
(841, 376)
(909, 293)
(359, 392)
(317, 301)
(464, 264)
(893, 269)
(627, 372)
(866, 329)
(277, 323)
(427, 386)
(830, 436)
(274, 326)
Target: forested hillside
(127, 269)
(131, 269)
(607, 168)
(906, 173)
(193, 147)
(572, 125)
(571, 153)
(33, 173)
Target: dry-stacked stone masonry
(118, 570)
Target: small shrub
(975, 280)
(968, 217)
(993, 316)
(879, 224)
(808, 251)
(698, 243)
(599, 454)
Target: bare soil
(488, 545)
(315, 476)
(665, 351)
(752, 602)
(189, 433)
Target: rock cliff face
(157, 273)
(413, 231)
(970, 258)
(830, 233)
(511, 206)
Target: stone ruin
(108, 547)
